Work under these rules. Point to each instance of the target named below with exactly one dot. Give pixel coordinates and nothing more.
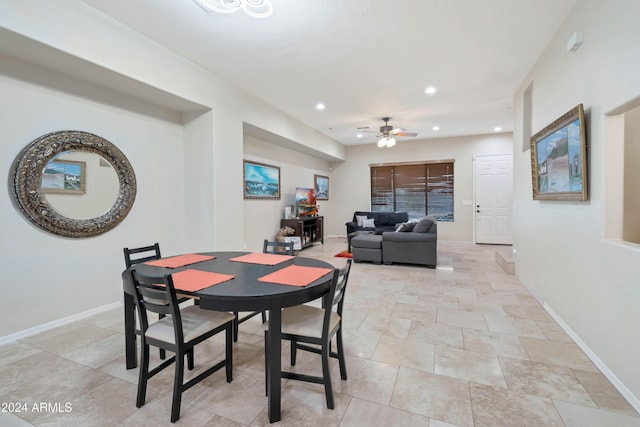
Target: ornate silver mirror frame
(25, 181)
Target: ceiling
(364, 59)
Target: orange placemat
(296, 275)
(179, 261)
(194, 280)
(260, 258)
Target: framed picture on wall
(321, 185)
(261, 181)
(64, 177)
(559, 159)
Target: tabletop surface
(245, 292)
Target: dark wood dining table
(243, 293)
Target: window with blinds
(419, 189)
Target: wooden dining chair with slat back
(269, 247)
(133, 256)
(312, 329)
(178, 332)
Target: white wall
(49, 277)
(262, 217)
(64, 65)
(353, 189)
(589, 282)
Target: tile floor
(464, 345)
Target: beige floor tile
(405, 353)
(557, 353)
(493, 343)
(414, 312)
(385, 324)
(362, 413)
(581, 416)
(44, 377)
(436, 333)
(360, 344)
(513, 326)
(366, 379)
(463, 319)
(456, 292)
(469, 366)
(435, 396)
(544, 380)
(499, 407)
(603, 393)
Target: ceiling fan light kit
(386, 132)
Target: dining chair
(269, 247)
(142, 254)
(313, 329)
(178, 332)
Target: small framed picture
(261, 181)
(321, 184)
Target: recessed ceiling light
(436, 128)
(430, 90)
(497, 129)
(319, 106)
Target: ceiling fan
(388, 133)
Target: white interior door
(493, 203)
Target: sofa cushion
(369, 241)
(423, 225)
(368, 223)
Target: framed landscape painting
(321, 184)
(559, 159)
(261, 181)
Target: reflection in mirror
(80, 185)
(74, 161)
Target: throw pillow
(423, 225)
(399, 227)
(359, 219)
(406, 226)
(366, 223)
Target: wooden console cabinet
(310, 229)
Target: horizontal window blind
(419, 189)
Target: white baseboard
(60, 322)
(631, 398)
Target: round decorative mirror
(73, 183)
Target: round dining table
(243, 293)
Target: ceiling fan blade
(405, 134)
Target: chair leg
(264, 317)
(294, 351)
(190, 363)
(177, 387)
(229, 352)
(163, 353)
(341, 362)
(235, 327)
(326, 375)
(266, 364)
(143, 374)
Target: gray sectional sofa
(383, 221)
(413, 243)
